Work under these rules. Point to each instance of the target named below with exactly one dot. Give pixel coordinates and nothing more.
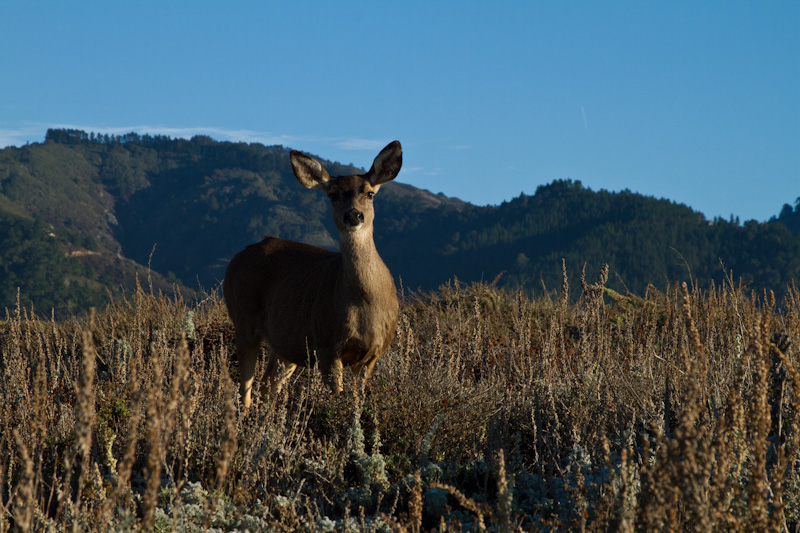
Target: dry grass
(675, 410)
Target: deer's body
(313, 305)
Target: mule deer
(314, 305)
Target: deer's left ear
(308, 171)
(387, 165)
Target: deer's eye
(370, 195)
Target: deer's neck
(365, 273)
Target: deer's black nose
(354, 217)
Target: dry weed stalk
(415, 503)
(121, 489)
(760, 414)
(23, 497)
(155, 404)
(480, 510)
(505, 497)
(85, 402)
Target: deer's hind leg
(330, 365)
(363, 369)
(247, 351)
(277, 373)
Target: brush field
(673, 410)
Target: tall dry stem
(23, 497)
(155, 412)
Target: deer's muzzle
(353, 219)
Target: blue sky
(698, 102)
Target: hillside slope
(84, 215)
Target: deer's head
(350, 196)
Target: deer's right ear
(386, 165)
(308, 171)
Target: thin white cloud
(422, 171)
(359, 144)
(585, 122)
(18, 135)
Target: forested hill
(644, 240)
(84, 215)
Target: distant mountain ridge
(82, 215)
